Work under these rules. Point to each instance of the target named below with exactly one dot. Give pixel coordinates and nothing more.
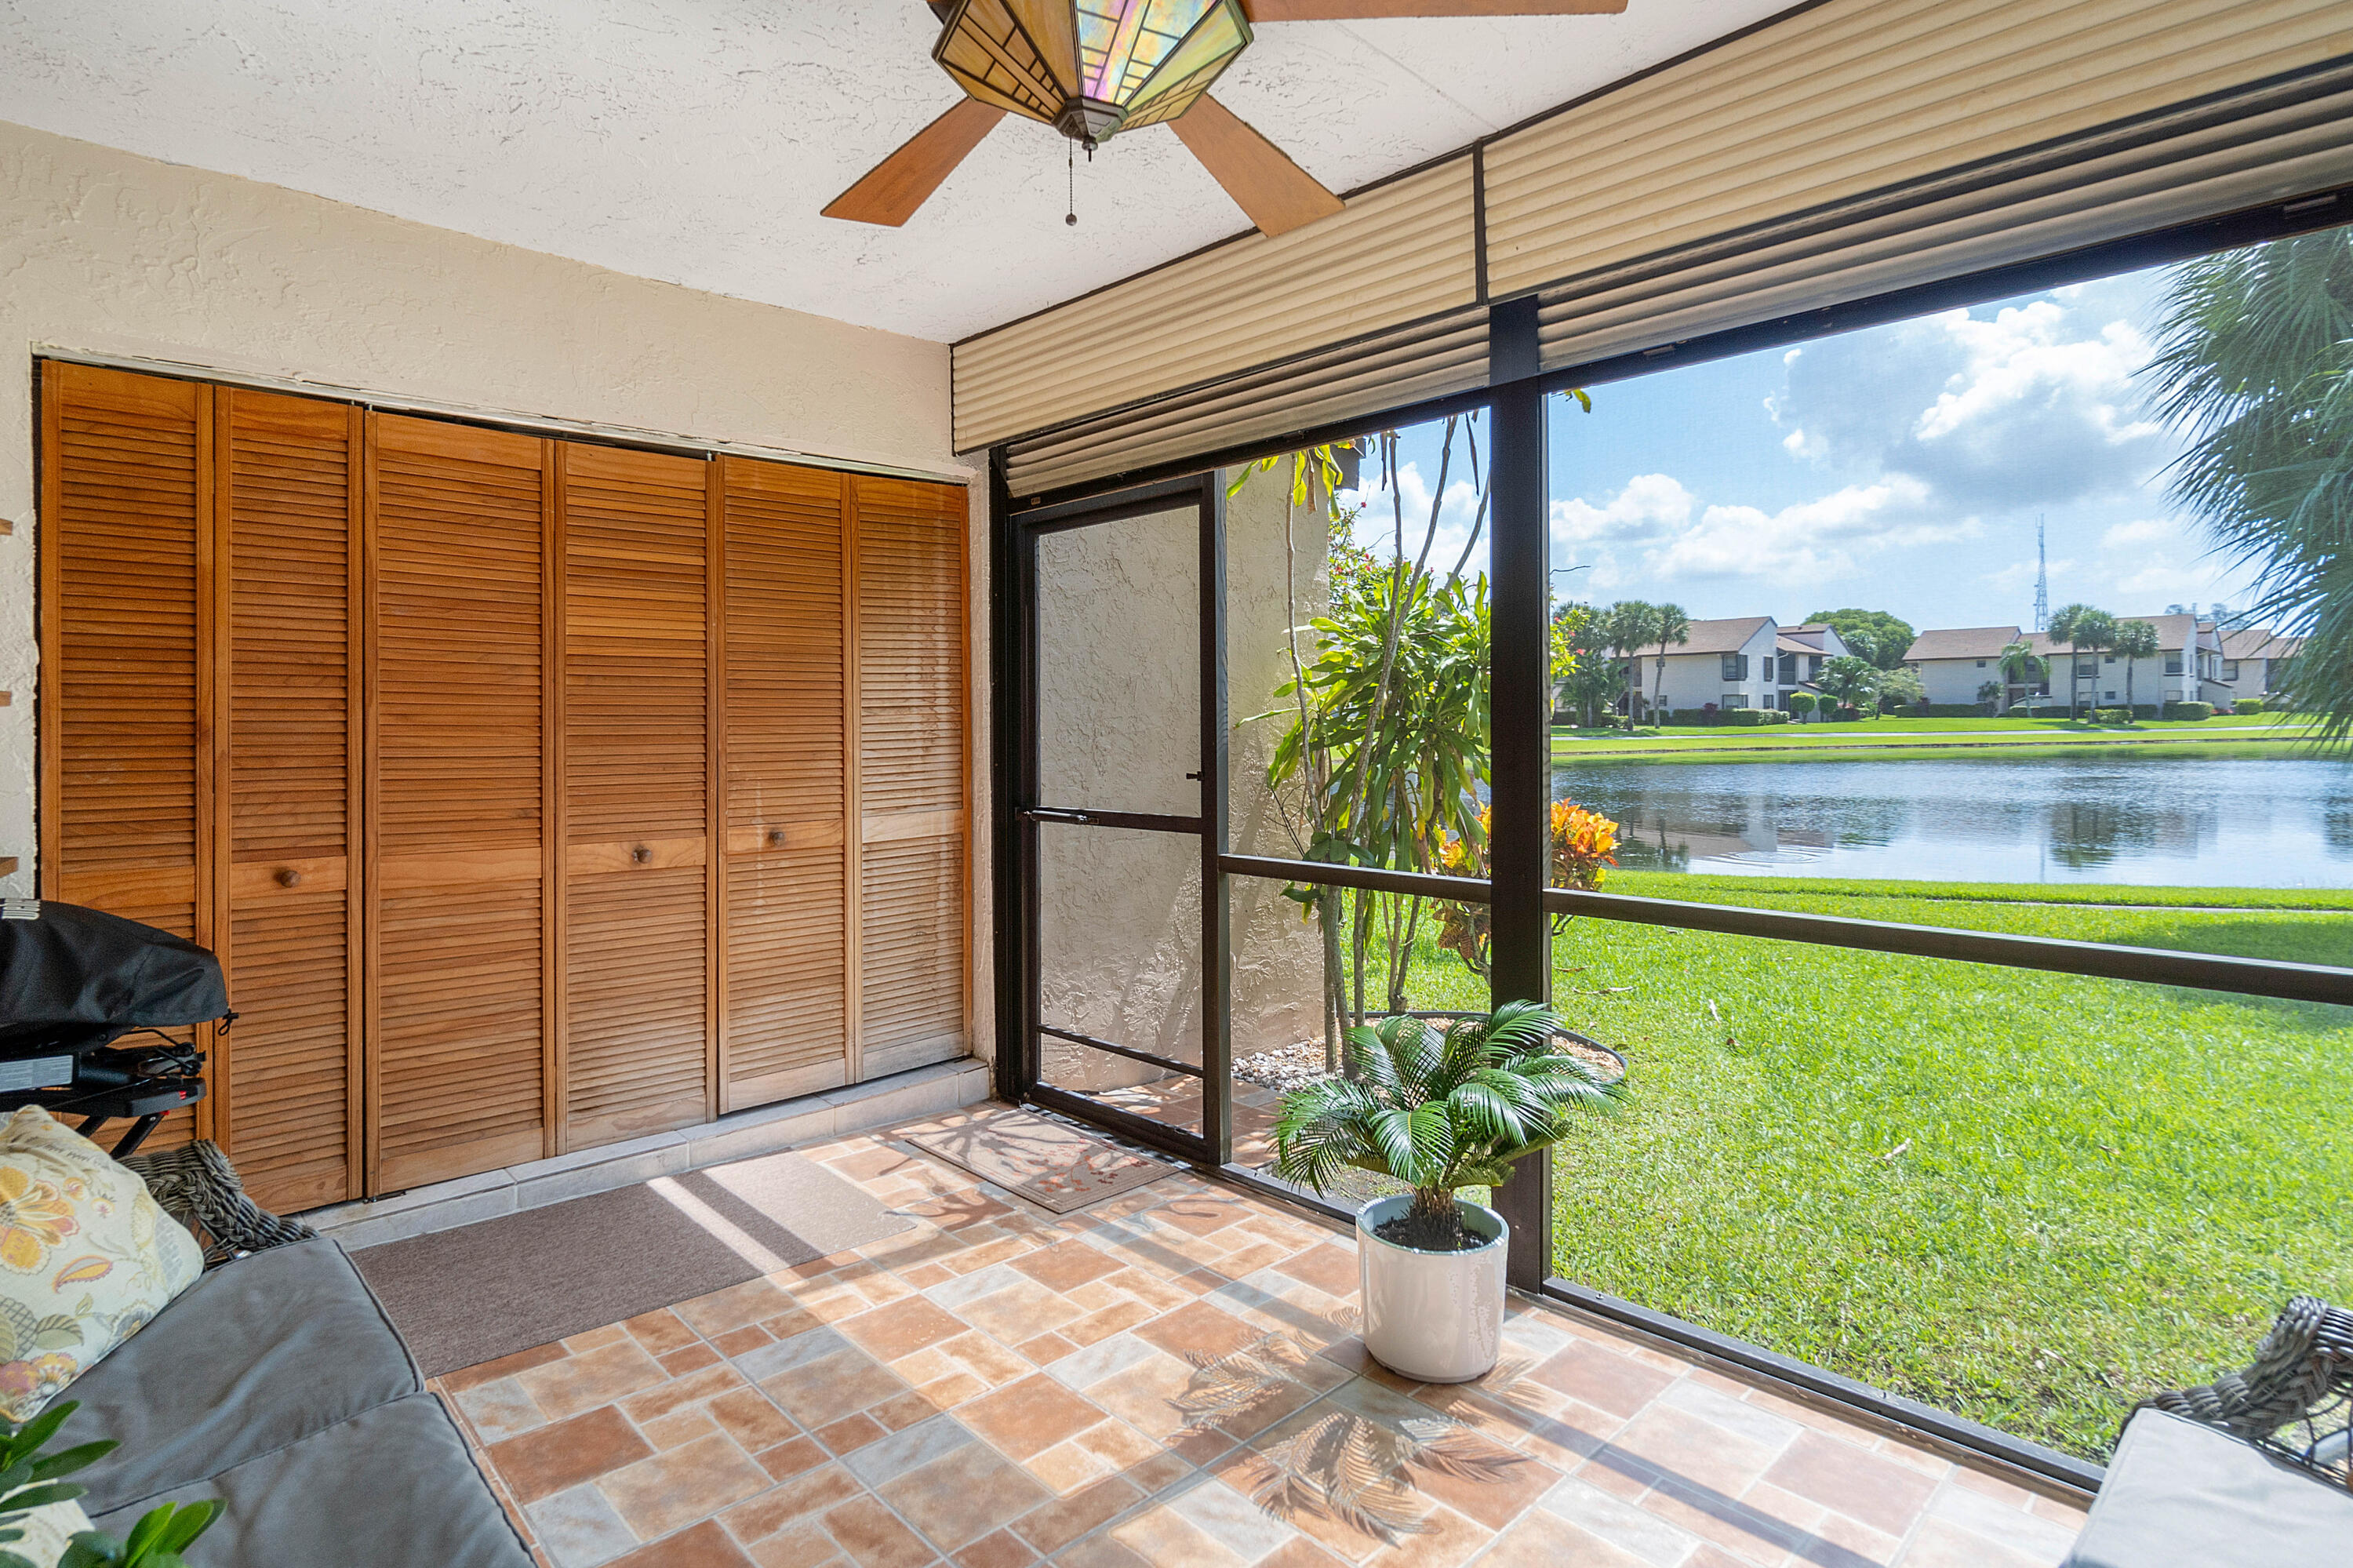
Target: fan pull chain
(1070, 216)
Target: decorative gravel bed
(1288, 1067)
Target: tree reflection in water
(2187, 822)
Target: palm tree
(1670, 625)
(2254, 364)
(2099, 634)
(1626, 627)
(2022, 667)
(2080, 626)
(1852, 681)
(2134, 639)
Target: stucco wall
(1119, 714)
(102, 252)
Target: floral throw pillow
(86, 1258)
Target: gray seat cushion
(2180, 1492)
(392, 1486)
(257, 1354)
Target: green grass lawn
(1782, 891)
(2058, 724)
(2244, 735)
(2028, 1198)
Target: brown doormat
(1048, 1162)
(467, 1295)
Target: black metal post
(1216, 955)
(1007, 719)
(1519, 724)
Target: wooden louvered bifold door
(286, 1090)
(638, 1043)
(911, 770)
(786, 741)
(127, 655)
(460, 918)
(536, 795)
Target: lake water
(2191, 821)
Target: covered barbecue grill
(73, 983)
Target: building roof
(2258, 642)
(1720, 636)
(1962, 642)
(1785, 643)
(2172, 633)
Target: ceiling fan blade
(1364, 10)
(893, 188)
(1278, 194)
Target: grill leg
(135, 1138)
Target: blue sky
(1898, 468)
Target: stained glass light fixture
(1091, 68)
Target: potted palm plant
(1438, 1110)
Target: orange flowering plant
(1584, 848)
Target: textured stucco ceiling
(693, 141)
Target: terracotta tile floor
(1122, 1384)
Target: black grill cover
(74, 969)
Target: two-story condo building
(1955, 664)
(2252, 657)
(1745, 661)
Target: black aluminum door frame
(1019, 984)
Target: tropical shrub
(1439, 1109)
(1899, 689)
(2247, 705)
(1584, 846)
(2112, 715)
(2189, 710)
(1801, 704)
(1385, 748)
(30, 1480)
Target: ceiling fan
(1092, 68)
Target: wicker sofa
(2249, 1471)
(277, 1384)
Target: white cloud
(2149, 560)
(2018, 575)
(1650, 506)
(2033, 406)
(2137, 534)
(1379, 526)
(1647, 532)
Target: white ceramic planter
(1434, 1316)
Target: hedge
(1953, 710)
(2247, 705)
(2189, 710)
(2112, 715)
(1737, 719)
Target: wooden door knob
(289, 877)
(641, 854)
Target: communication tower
(2041, 580)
